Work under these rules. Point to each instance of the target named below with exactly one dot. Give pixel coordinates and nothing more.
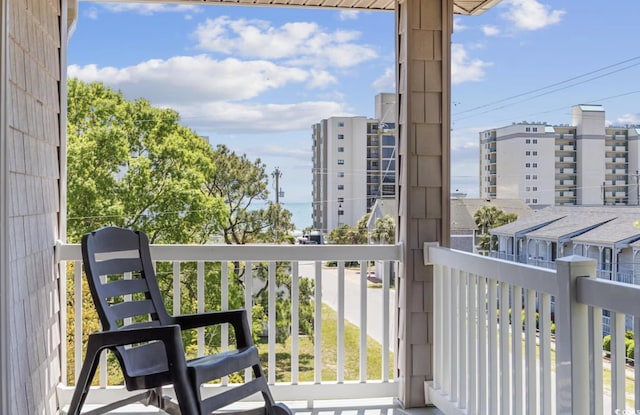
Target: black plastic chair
(150, 352)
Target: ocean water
(300, 214)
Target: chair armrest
(169, 335)
(237, 318)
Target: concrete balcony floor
(341, 407)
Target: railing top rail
(257, 252)
(610, 295)
(521, 275)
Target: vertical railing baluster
(492, 321)
(483, 362)
(437, 326)
(446, 329)
(517, 361)
(504, 350)
(618, 361)
(531, 379)
(77, 313)
(454, 353)
(248, 303)
(463, 318)
(386, 319)
(363, 320)
(595, 369)
(295, 322)
(271, 319)
(224, 305)
(340, 358)
(200, 300)
(472, 358)
(317, 324)
(545, 353)
(176, 288)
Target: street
(352, 284)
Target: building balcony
(298, 370)
(484, 361)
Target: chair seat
(206, 368)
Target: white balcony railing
(499, 348)
(343, 289)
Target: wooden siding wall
(32, 134)
(423, 48)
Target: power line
(555, 84)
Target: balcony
(485, 361)
(345, 290)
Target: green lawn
(329, 353)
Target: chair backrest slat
(124, 287)
(114, 252)
(129, 309)
(117, 266)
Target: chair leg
(84, 382)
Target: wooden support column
(423, 30)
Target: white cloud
(629, 119)
(348, 14)
(457, 24)
(321, 79)
(194, 78)
(531, 14)
(216, 95)
(296, 43)
(489, 30)
(92, 13)
(386, 82)
(254, 118)
(464, 69)
(148, 9)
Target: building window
(535, 164)
(527, 189)
(340, 187)
(527, 141)
(340, 162)
(535, 129)
(535, 177)
(535, 189)
(340, 123)
(526, 165)
(528, 153)
(340, 136)
(527, 177)
(535, 153)
(535, 201)
(340, 149)
(535, 141)
(528, 129)
(340, 174)
(341, 200)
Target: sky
(256, 79)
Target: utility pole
(277, 174)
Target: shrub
(606, 343)
(630, 348)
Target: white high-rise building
(585, 163)
(353, 164)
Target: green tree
(384, 230)
(489, 217)
(133, 165)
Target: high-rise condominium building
(353, 164)
(585, 163)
